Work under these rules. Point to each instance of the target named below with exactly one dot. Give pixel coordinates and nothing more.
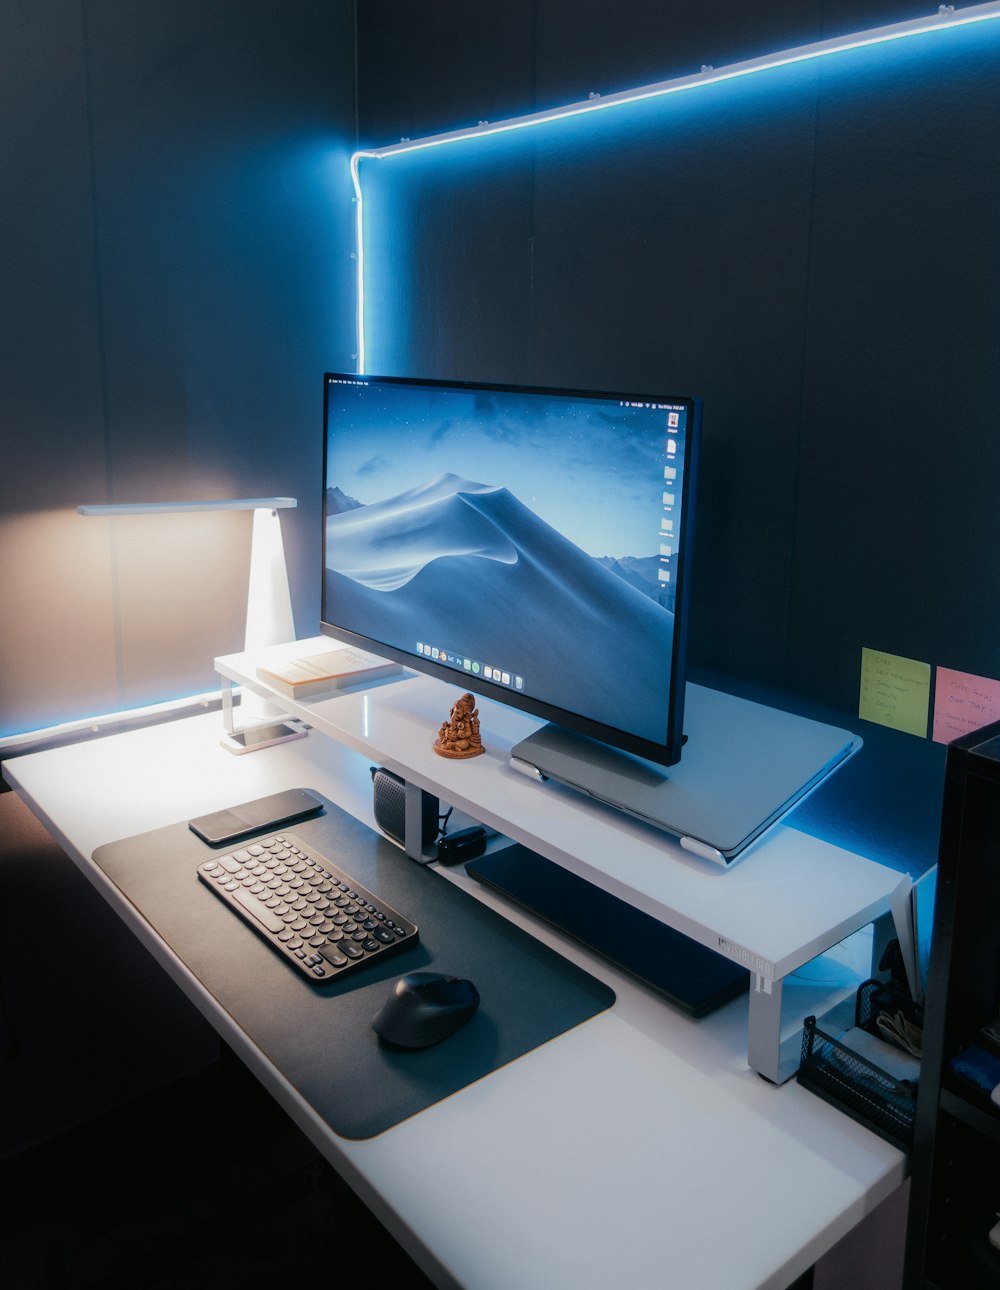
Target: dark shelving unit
(955, 1161)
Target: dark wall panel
(56, 640)
(178, 241)
(897, 525)
(430, 67)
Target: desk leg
(240, 739)
(420, 820)
(764, 1027)
(228, 723)
(766, 1054)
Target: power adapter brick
(466, 844)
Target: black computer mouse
(425, 1008)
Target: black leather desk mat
(320, 1036)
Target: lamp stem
(269, 601)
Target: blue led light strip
(943, 19)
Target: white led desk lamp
(269, 604)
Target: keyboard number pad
(319, 918)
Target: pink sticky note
(963, 702)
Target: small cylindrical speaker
(390, 808)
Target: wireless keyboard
(321, 920)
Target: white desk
(638, 1149)
(788, 899)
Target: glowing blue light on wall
(945, 18)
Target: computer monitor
(530, 545)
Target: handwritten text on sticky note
(963, 702)
(895, 691)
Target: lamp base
(264, 736)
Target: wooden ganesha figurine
(459, 735)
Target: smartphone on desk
(251, 817)
(254, 737)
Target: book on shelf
(314, 674)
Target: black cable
(443, 822)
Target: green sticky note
(895, 691)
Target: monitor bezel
(666, 754)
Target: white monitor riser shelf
(790, 898)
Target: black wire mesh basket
(856, 1085)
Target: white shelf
(788, 899)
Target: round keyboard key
(385, 936)
(286, 935)
(351, 950)
(371, 945)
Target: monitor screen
(530, 545)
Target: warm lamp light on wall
(269, 618)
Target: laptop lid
(744, 765)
